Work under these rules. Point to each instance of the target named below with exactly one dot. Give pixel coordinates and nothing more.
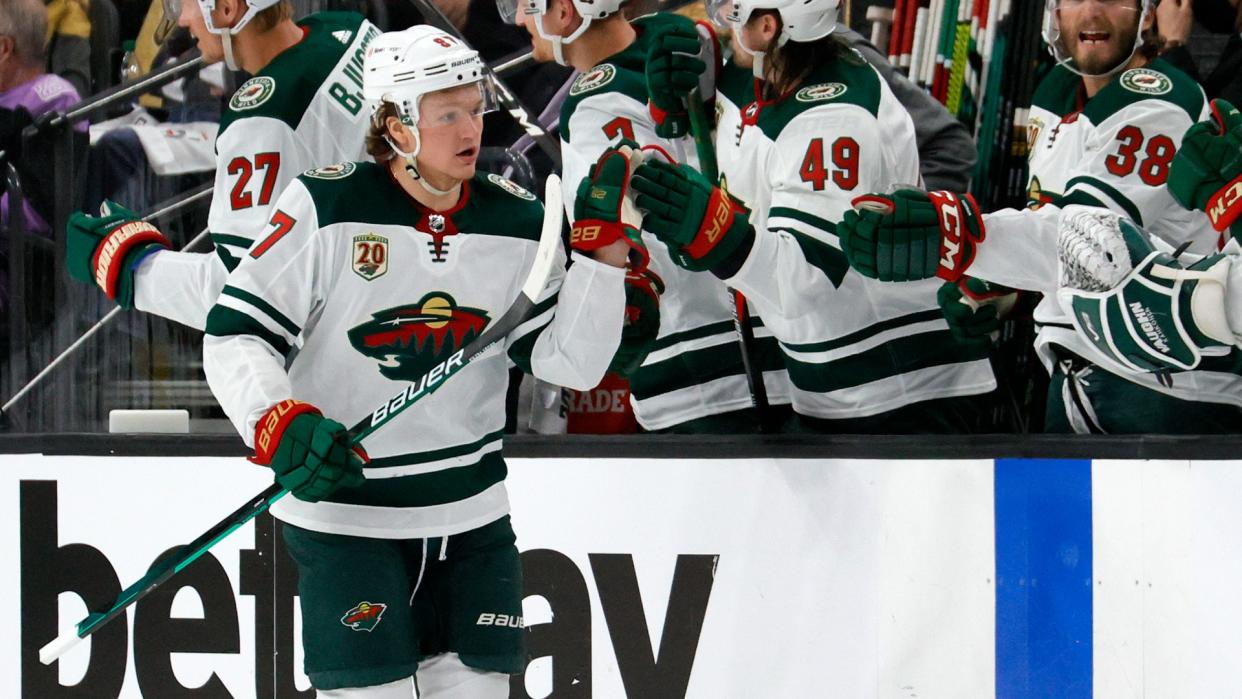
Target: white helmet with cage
(1056, 46)
(801, 21)
(589, 10)
(402, 67)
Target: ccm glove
(674, 69)
(107, 249)
(973, 308)
(604, 210)
(701, 225)
(642, 321)
(1206, 173)
(911, 234)
(309, 454)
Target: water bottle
(129, 63)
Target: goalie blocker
(1138, 305)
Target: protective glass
(454, 107)
(507, 10)
(718, 12)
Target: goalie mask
(400, 68)
(801, 21)
(588, 10)
(1056, 40)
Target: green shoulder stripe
(1058, 91)
(500, 207)
(847, 79)
(1157, 80)
(284, 89)
(1110, 191)
(223, 321)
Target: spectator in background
(1174, 19)
(27, 91)
(68, 40)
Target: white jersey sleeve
(179, 286)
(260, 313)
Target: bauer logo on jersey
(370, 256)
(821, 92)
(1146, 82)
(332, 172)
(596, 77)
(365, 617)
(253, 93)
(409, 340)
(510, 186)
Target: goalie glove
(910, 235)
(108, 248)
(700, 223)
(1206, 173)
(1139, 306)
(642, 321)
(309, 454)
(604, 210)
(680, 58)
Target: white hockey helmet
(402, 67)
(589, 10)
(172, 8)
(1052, 34)
(801, 21)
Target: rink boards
(709, 578)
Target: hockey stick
(702, 133)
(428, 383)
(194, 196)
(551, 146)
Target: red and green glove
(309, 454)
(108, 248)
(604, 210)
(911, 234)
(701, 225)
(642, 321)
(1206, 173)
(973, 308)
(675, 66)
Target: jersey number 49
(844, 164)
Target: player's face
(1098, 34)
(541, 48)
(210, 44)
(450, 129)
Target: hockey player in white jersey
(1148, 309)
(1105, 125)
(374, 273)
(302, 108)
(862, 357)
(693, 379)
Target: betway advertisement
(669, 578)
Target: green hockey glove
(107, 249)
(911, 234)
(604, 210)
(310, 454)
(702, 226)
(1206, 173)
(642, 321)
(1137, 305)
(974, 307)
(674, 69)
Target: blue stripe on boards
(1043, 578)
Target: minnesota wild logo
(596, 77)
(816, 93)
(409, 340)
(252, 93)
(365, 617)
(1147, 82)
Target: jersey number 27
(241, 196)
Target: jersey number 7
(240, 197)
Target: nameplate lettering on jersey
(346, 81)
(425, 384)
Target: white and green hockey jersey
(356, 289)
(303, 110)
(695, 369)
(1112, 151)
(854, 347)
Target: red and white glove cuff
(961, 228)
(1224, 207)
(591, 234)
(272, 425)
(109, 258)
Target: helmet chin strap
(226, 37)
(558, 42)
(411, 166)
